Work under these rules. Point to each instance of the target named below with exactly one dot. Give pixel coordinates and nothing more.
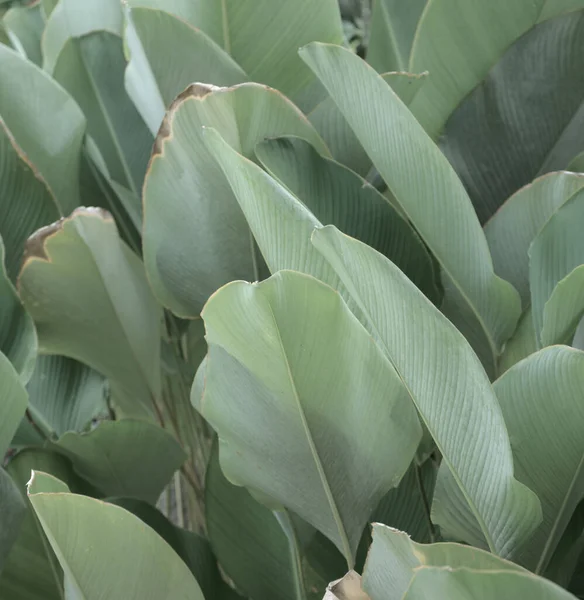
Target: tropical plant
(281, 323)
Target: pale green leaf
(13, 403)
(303, 378)
(448, 386)
(467, 584)
(18, 340)
(47, 134)
(521, 344)
(553, 254)
(339, 137)
(24, 26)
(514, 226)
(427, 189)
(128, 559)
(541, 400)
(394, 558)
(196, 238)
(338, 196)
(564, 309)
(492, 140)
(80, 282)
(91, 68)
(11, 516)
(124, 458)
(166, 56)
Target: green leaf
(491, 139)
(128, 560)
(24, 26)
(66, 394)
(47, 135)
(303, 379)
(91, 68)
(13, 403)
(31, 553)
(514, 226)
(339, 137)
(194, 550)
(124, 458)
(18, 340)
(466, 584)
(553, 254)
(393, 28)
(11, 516)
(521, 344)
(263, 36)
(448, 386)
(564, 309)
(543, 394)
(77, 18)
(429, 192)
(159, 68)
(80, 283)
(247, 539)
(189, 208)
(394, 559)
(338, 196)
(459, 44)
(18, 179)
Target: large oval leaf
(448, 386)
(331, 458)
(49, 134)
(80, 282)
(189, 208)
(128, 559)
(544, 394)
(503, 135)
(427, 189)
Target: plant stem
(295, 558)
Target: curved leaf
(513, 227)
(24, 26)
(448, 386)
(493, 140)
(18, 179)
(304, 378)
(91, 68)
(467, 584)
(124, 458)
(427, 189)
(339, 137)
(18, 340)
(337, 196)
(159, 68)
(127, 560)
(521, 344)
(554, 253)
(263, 36)
(458, 44)
(189, 208)
(13, 403)
(541, 400)
(66, 394)
(394, 558)
(247, 538)
(48, 134)
(80, 283)
(564, 309)
(11, 516)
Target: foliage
(282, 323)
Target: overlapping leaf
(503, 135)
(320, 451)
(425, 186)
(127, 560)
(80, 282)
(195, 235)
(449, 388)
